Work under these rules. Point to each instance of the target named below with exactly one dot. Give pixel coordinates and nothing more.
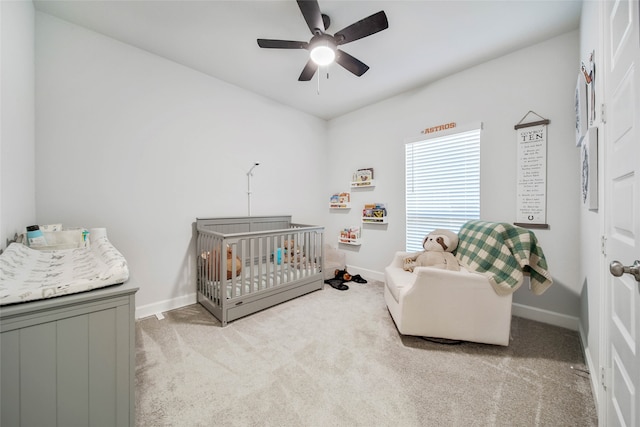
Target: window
(442, 184)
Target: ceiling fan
(323, 47)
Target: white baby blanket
(27, 274)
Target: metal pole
(249, 175)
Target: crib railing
(234, 265)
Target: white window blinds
(442, 184)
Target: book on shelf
(363, 175)
(350, 234)
(374, 211)
(340, 199)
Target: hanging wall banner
(532, 175)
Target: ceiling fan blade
(308, 71)
(282, 44)
(350, 63)
(311, 12)
(363, 28)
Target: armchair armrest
(431, 279)
(398, 259)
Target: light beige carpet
(335, 358)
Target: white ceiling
(426, 40)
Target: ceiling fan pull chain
(319, 74)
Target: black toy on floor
(358, 279)
(342, 276)
(337, 284)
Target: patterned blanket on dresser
(504, 253)
(27, 274)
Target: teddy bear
(211, 264)
(342, 275)
(292, 253)
(438, 247)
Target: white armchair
(459, 305)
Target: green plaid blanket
(503, 252)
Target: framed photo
(588, 70)
(581, 109)
(589, 162)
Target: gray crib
(247, 264)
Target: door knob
(617, 269)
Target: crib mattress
(27, 274)
(277, 276)
(246, 283)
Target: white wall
(141, 145)
(498, 93)
(591, 221)
(17, 141)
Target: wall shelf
(362, 178)
(374, 213)
(352, 242)
(340, 205)
(370, 220)
(340, 201)
(350, 236)
(363, 184)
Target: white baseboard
(593, 370)
(171, 304)
(520, 310)
(365, 273)
(166, 305)
(545, 316)
(524, 311)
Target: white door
(622, 211)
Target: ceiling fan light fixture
(323, 47)
(322, 55)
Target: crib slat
(281, 269)
(268, 263)
(251, 256)
(263, 257)
(227, 282)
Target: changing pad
(27, 274)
